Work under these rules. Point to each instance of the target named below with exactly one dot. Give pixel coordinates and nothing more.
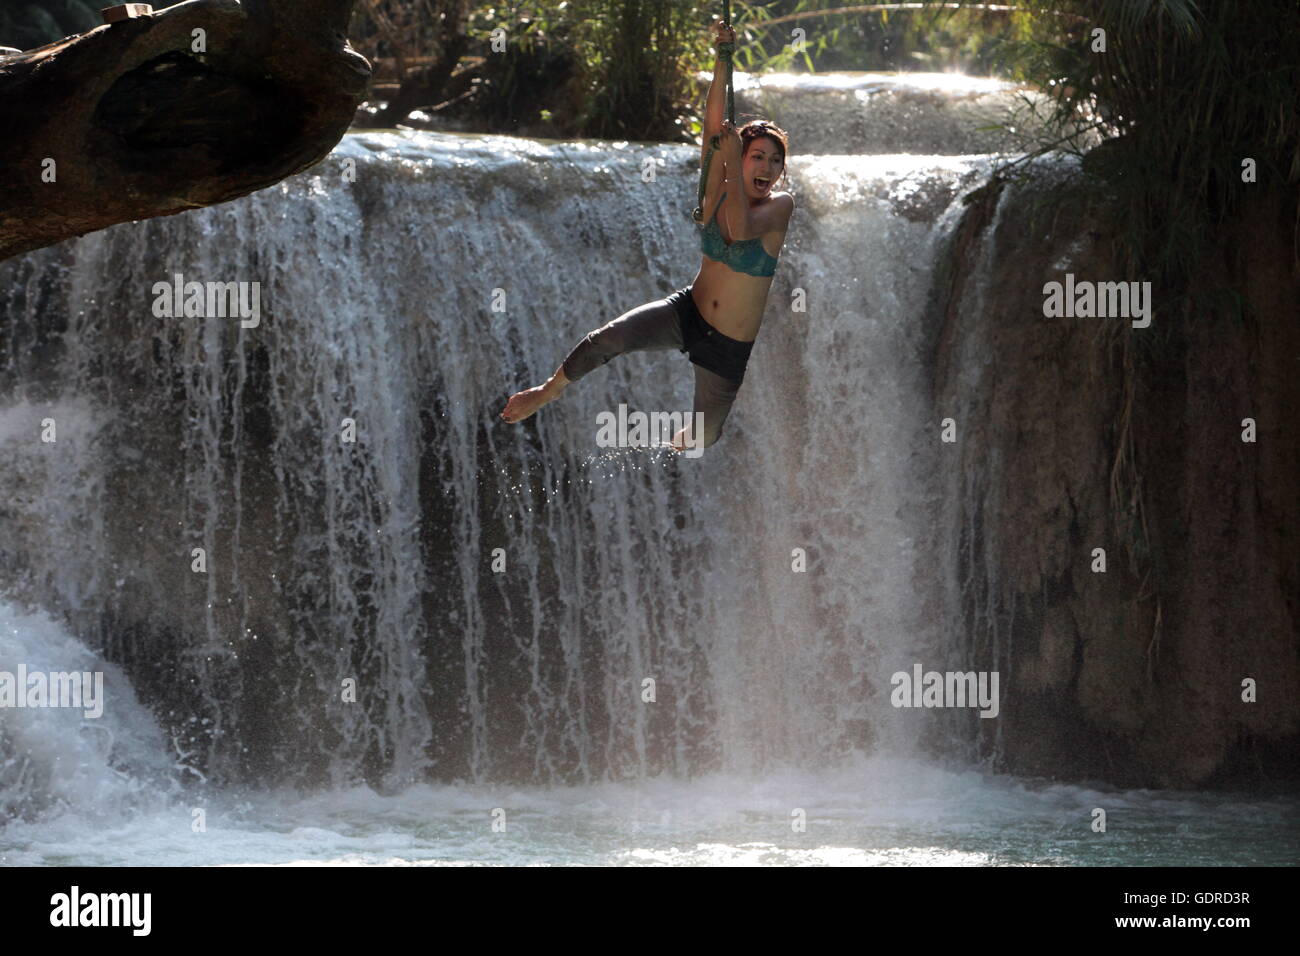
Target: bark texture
(139, 118)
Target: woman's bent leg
(654, 325)
(714, 396)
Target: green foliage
(934, 39)
(1184, 93)
(633, 61)
(534, 78)
(605, 68)
(637, 55)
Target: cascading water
(54, 759)
(373, 560)
(310, 548)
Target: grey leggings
(671, 323)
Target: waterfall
(54, 759)
(289, 606)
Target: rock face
(1082, 433)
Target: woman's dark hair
(757, 128)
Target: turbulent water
(614, 648)
(877, 811)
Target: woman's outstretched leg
(654, 325)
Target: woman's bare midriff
(730, 301)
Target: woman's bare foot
(523, 404)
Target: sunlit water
(880, 811)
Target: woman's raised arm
(716, 105)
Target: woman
(716, 318)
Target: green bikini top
(747, 255)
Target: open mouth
(761, 184)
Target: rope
(726, 51)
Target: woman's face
(763, 164)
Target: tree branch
(136, 119)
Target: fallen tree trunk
(199, 103)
